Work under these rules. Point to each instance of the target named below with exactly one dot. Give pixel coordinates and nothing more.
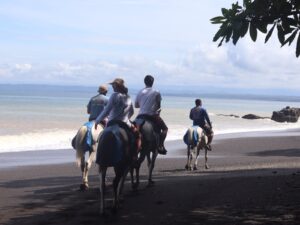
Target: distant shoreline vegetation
(87, 91)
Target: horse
(149, 149)
(81, 146)
(114, 150)
(195, 139)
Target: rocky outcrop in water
(230, 115)
(253, 117)
(287, 114)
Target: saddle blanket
(195, 137)
(110, 153)
(89, 136)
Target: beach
(253, 179)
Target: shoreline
(176, 149)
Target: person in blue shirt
(97, 103)
(200, 118)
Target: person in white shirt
(149, 102)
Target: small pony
(195, 139)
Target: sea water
(40, 117)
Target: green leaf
(235, 37)
(280, 33)
(224, 12)
(253, 32)
(244, 28)
(217, 35)
(246, 3)
(291, 38)
(228, 33)
(262, 27)
(298, 47)
(217, 19)
(270, 33)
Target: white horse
(195, 142)
(81, 147)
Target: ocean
(41, 117)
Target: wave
(61, 139)
(44, 140)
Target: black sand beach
(251, 180)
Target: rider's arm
(131, 111)
(191, 114)
(106, 109)
(207, 118)
(88, 107)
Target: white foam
(44, 140)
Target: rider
(94, 108)
(200, 118)
(97, 103)
(119, 110)
(149, 102)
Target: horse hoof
(83, 187)
(186, 167)
(150, 183)
(207, 167)
(195, 168)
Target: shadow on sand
(176, 199)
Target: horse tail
(80, 144)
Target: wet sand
(251, 180)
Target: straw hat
(118, 81)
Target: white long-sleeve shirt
(148, 100)
(119, 107)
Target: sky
(75, 42)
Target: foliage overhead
(263, 16)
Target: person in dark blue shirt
(200, 118)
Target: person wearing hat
(97, 103)
(94, 108)
(119, 106)
(149, 101)
(119, 110)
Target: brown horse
(149, 149)
(114, 150)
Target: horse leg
(151, 167)
(83, 186)
(118, 184)
(135, 180)
(196, 159)
(188, 157)
(206, 165)
(87, 166)
(102, 175)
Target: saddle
(141, 119)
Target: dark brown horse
(114, 150)
(149, 149)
